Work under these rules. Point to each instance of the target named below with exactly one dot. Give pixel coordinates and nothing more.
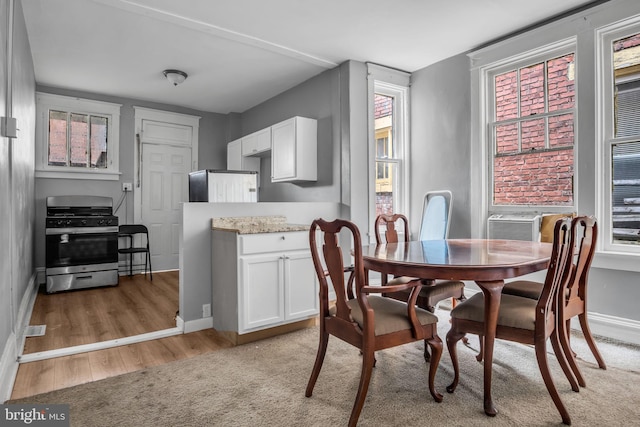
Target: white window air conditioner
(514, 227)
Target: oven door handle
(80, 230)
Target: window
(388, 155)
(385, 163)
(388, 98)
(620, 126)
(530, 121)
(77, 138)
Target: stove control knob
(68, 222)
(60, 222)
(83, 222)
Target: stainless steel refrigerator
(223, 186)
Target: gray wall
(317, 98)
(17, 207)
(440, 134)
(212, 154)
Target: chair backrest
(133, 229)
(331, 263)
(585, 234)
(389, 222)
(557, 273)
(436, 211)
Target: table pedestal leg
(492, 293)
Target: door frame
(142, 113)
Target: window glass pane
(98, 142)
(386, 182)
(560, 83)
(626, 193)
(506, 97)
(382, 145)
(507, 139)
(79, 132)
(57, 138)
(532, 90)
(561, 130)
(532, 134)
(626, 64)
(534, 178)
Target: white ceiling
(239, 53)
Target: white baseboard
(43, 355)
(617, 328)
(26, 309)
(196, 325)
(8, 368)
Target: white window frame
(605, 136)
(392, 83)
(46, 102)
(488, 74)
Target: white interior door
(166, 151)
(164, 187)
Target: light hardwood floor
(135, 306)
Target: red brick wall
(534, 174)
(383, 106)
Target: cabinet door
(261, 291)
(301, 286)
(283, 150)
(257, 142)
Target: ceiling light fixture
(175, 76)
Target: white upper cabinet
(293, 145)
(237, 162)
(294, 150)
(257, 142)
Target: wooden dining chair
(574, 303)
(367, 321)
(431, 292)
(524, 320)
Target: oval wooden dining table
(487, 262)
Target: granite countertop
(256, 224)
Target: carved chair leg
(480, 354)
(322, 350)
(543, 364)
(436, 350)
(566, 360)
(590, 341)
(368, 361)
(452, 339)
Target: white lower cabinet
(262, 280)
(277, 288)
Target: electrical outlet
(206, 310)
(127, 186)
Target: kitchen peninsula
(195, 248)
(263, 279)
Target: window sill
(616, 261)
(83, 174)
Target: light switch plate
(8, 127)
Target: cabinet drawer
(273, 242)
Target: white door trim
(142, 113)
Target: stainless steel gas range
(81, 243)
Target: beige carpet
(263, 384)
